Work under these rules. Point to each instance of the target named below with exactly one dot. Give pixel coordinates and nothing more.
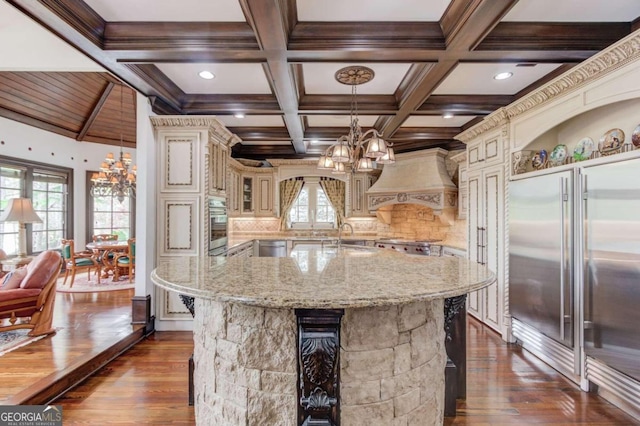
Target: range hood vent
(418, 178)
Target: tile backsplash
(408, 221)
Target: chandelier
(356, 151)
(117, 178)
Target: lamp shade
(340, 154)
(20, 210)
(377, 148)
(388, 158)
(325, 162)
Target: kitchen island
(354, 335)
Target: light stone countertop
(323, 277)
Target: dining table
(105, 251)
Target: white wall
(18, 140)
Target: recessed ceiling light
(207, 75)
(447, 115)
(238, 115)
(502, 75)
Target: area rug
(14, 339)
(82, 285)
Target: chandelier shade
(117, 178)
(356, 151)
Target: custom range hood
(418, 178)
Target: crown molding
(217, 130)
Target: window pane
(111, 216)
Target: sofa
(27, 295)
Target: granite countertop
(323, 277)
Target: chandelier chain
(115, 179)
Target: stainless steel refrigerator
(541, 259)
(574, 272)
(612, 266)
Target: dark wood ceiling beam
(261, 133)
(341, 104)
(585, 36)
(328, 133)
(449, 145)
(366, 35)
(417, 133)
(260, 152)
(465, 104)
(163, 87)
(188, 56)
(416, 74)
(268, 18)
(78, 15)
(95, 111)
(178, 35)
(228, 104)
(480, 20)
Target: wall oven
(217, 226)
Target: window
(48, 187)
(312, 208)
(49, 202)
(107, 215)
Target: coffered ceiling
(274, 60)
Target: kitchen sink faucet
(340, 232)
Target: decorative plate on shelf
(558, 155)
(611, 142)
(583, 150)
(635, 137)
(539, 160)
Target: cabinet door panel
(492, 192)
(474, 306)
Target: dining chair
(77, 261)
(105, 237)
(126, 261)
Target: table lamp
(20, 210)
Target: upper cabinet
(265, 200)
(251, 190)
(218, 159)
(360, 183)
(486, 151)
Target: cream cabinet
(246, 194)
(486, 151)
(463, 191)
(360, 183)
(486, 241)
(251, 190)
(193, 157)
(265, 195)
(233, 193)
(218, 158)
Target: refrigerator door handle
(563, 266)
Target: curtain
(289, 190)
(335, 190)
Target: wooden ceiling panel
(78, 105)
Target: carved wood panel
(319, 366)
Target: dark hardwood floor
(93, 328)
(148, 383)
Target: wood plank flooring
(149, 383)
(92, 329)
